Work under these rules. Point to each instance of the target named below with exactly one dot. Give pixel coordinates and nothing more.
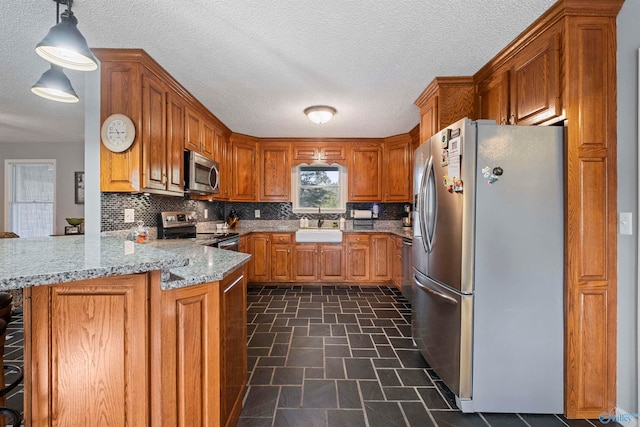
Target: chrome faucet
(320, 220)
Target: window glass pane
(31, 198)
(313, 197)
(33, 183)
(319, 186)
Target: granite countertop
(50, 260)
(391, 227)
(206, 264)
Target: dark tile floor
(336, 356)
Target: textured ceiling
(257, 64)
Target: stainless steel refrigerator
(488, 264)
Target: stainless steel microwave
(201, 175)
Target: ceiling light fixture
(64, 45)
(320, 114)
(55, 85)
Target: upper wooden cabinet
(275, 172)
(223, 156)
(365, 173)
(168, 119)
(526, 89)
(445, 101)
(319, 153)
(243, 167)
(397, 182)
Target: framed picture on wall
(79, 188)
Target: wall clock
(118, 133)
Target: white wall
(628, 44)
(69, 159)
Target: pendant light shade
(64, 45)
(320, 114)
(55, 85)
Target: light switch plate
(625, 224)
(206, 213)
(257, 213)
(129, 215)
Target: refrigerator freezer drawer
(442, 330)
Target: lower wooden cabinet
(358, 249)
(319, 261)
(382, 247)
(396, 263)
(281, 258)
(121, 351)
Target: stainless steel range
(182, 225)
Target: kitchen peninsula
(129, 334)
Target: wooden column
(591, 241)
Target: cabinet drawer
(280, 238)
(358, 238)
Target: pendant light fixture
(64, 46)
(320, 114)
(55, 85)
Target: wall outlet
(257, 213)
(625, 223)
(206, 213)
(129, 215)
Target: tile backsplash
(147, 208)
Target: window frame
(343, 190)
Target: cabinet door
(243, 159)
(331, 153)
(429, 122)
(154, 148)
(86, 351)
(305, 264)
(493, 98)
(175, 143)
(259, 265)
(535, 82)
(397, 161)
(332, 262)
(223, 156)
(281, 262)
(233, 342)
(381, 250)
(193, 128)
(275, 172)
(120, 172)
(305, 152)
(208, 140)
(358, 257)
(365, 184)
(189, 362)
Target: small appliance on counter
(406, 216)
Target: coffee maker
(406, 216)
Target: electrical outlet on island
(129, 215)
(257, 213)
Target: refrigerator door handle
(429, 205)
(437, 294)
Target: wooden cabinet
(365, 173)
(396, 263)
(321, 153)
(200, 134)
(445, 101)
(121, 348)
(319, 262)
(243, 245)
(175, 143)
(331, 266)
(275, 172)
(281, 258)
(358, 258)
(154, 146)
(493, 98)
(233, 343)
(382, 248)
(243, 166)
(526, 89)
(86, 343)
(223, 156)
(397, 175)
(536, 81)
(260, 263)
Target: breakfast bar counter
(120, 333)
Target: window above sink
(319, 186)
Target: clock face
(118, 133)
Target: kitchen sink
(330, 235)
